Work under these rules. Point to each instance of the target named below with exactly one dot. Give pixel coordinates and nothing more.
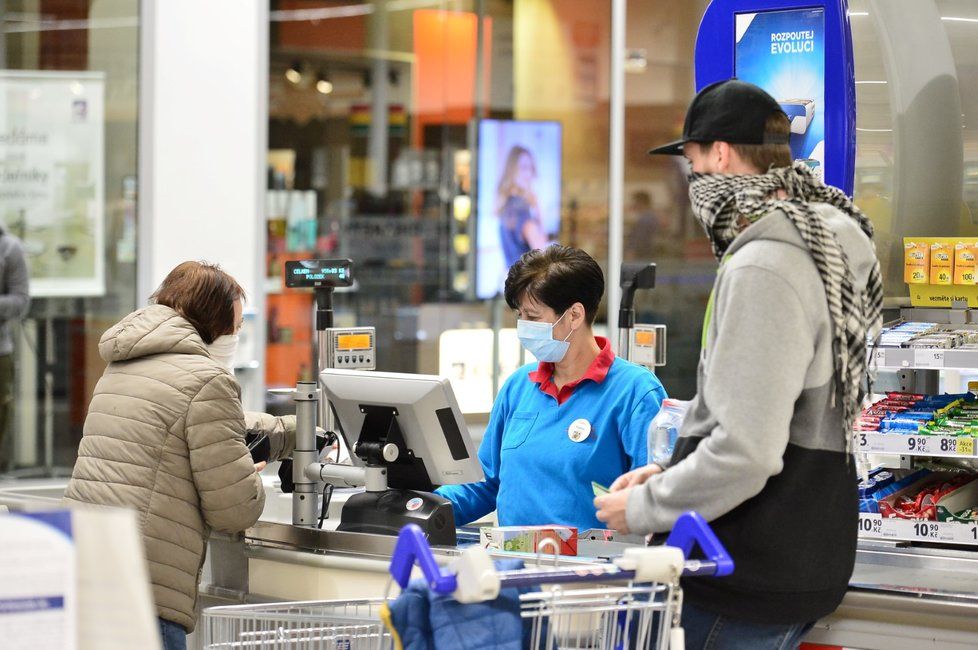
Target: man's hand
(635, 477)
(260, 466)
(611, 509)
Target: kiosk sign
(783, 52)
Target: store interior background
(348, 83)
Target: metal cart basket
(632, 603)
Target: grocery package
(922, 499)
(528, 539)
(926, 336)
(883, 483)
(909, 414)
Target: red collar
(596, 372)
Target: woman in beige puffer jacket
(165, 433)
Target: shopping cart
(633, 602)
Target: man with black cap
(764, 453)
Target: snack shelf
(916, 445)
(877, 527)
(923, 359)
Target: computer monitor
(417, 413)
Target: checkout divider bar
(690, 530)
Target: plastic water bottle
(664, 430)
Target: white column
(202, 147)
(616, 166)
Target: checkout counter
(405, 435)
(927, 598)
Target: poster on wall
(783, 52)
(518, 190)
(52, 191)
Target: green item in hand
(599, 490)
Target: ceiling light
(294, 73)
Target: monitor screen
(783, 52)
(518, 192)
(418, 413)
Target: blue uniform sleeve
(635, 432)
(474, 500)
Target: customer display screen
(783, 52)
(518, 206)
(312, 274)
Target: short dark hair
(764, 157)
(556, 276)
(204, 295)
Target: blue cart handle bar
(690, 529)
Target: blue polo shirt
(535, 473)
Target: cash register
(408, 435)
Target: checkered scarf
(726, 204)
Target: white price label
(870, 526)
(879, 357)
(868, 441)
(928, 358)
(918, 444)
(926, 530)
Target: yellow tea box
(964, 262)
(916, 262)
(941, 263)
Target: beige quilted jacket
(165, 436)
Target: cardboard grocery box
(527, 539)
(963, 498)
(886, 505)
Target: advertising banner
(518, 177)
(783, 52)
(52, 191)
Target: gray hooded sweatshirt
(761, 454)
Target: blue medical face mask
(538, 339)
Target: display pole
(616, 160)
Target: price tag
(926, 530)
(948, 444)
(870, 526)
(918, 444)
(928, 358)
(966, 447)
(879, 357)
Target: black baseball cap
(731, 111)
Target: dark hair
(765, 156)
(556, 276)
(204, 295)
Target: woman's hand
(635, 477)
(260, 466)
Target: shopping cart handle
(412, 546)
(691, 528)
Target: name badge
(579, 430)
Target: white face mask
(223, 350)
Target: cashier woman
(581, 415)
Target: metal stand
(634, 276)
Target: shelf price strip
(895, 443)
(876, 527)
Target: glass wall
(391, 129)
(68, 112)
(917, 124)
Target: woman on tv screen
(520, 230)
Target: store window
(916, 71)
(395, 129)
(68, 112)
(658, 225)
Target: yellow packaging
(941, 263)
(916, 262)
(964, 263)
